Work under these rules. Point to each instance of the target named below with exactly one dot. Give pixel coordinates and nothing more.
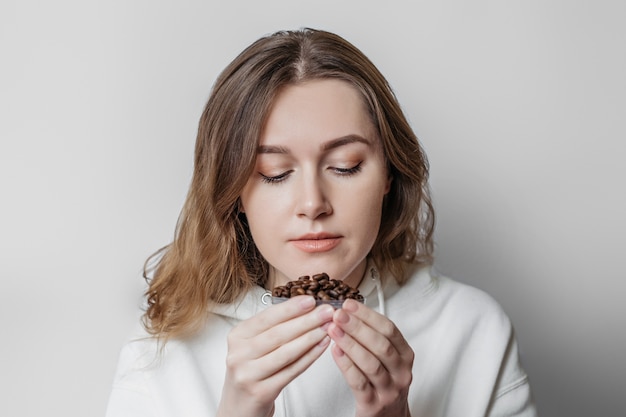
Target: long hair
(213, 258)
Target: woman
(305, 163)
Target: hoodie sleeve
(130, 396)
(512, 395)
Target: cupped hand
(374, 358)
(268, 351)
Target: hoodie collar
(245, 307)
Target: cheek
(252, 199)
(262, 209)
(365, 209)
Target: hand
(374, 358)
(268, 351)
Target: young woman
(305, 163)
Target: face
(314, 199)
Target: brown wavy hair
(213, 258)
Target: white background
(520, 106)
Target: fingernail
(324, 342)
(342, 317)
(307, 302)
(338, 351)
(350, 305)
(326, 312)
(337, 332)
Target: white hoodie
(466, 360)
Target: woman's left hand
(374, 358)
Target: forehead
(322, 108)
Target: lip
(316, 242)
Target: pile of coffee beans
(320, 286)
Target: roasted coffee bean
(320, 286)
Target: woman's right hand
(268, 351)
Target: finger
(371, 366)
(281, 335)
(298, 333)
(275, 314)
(367, 339)
(291, 360)
(367, 321)
(264, 379)
(360, 385)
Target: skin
(319, 173)
(314, 204)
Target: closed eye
(348, 171)
(276, 178)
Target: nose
(312, 200)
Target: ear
(239, 206)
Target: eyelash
(346, 172)
(275, 179)
(343, 172)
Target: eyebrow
(344, 140)
(326, 146)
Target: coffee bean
(320, 286)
